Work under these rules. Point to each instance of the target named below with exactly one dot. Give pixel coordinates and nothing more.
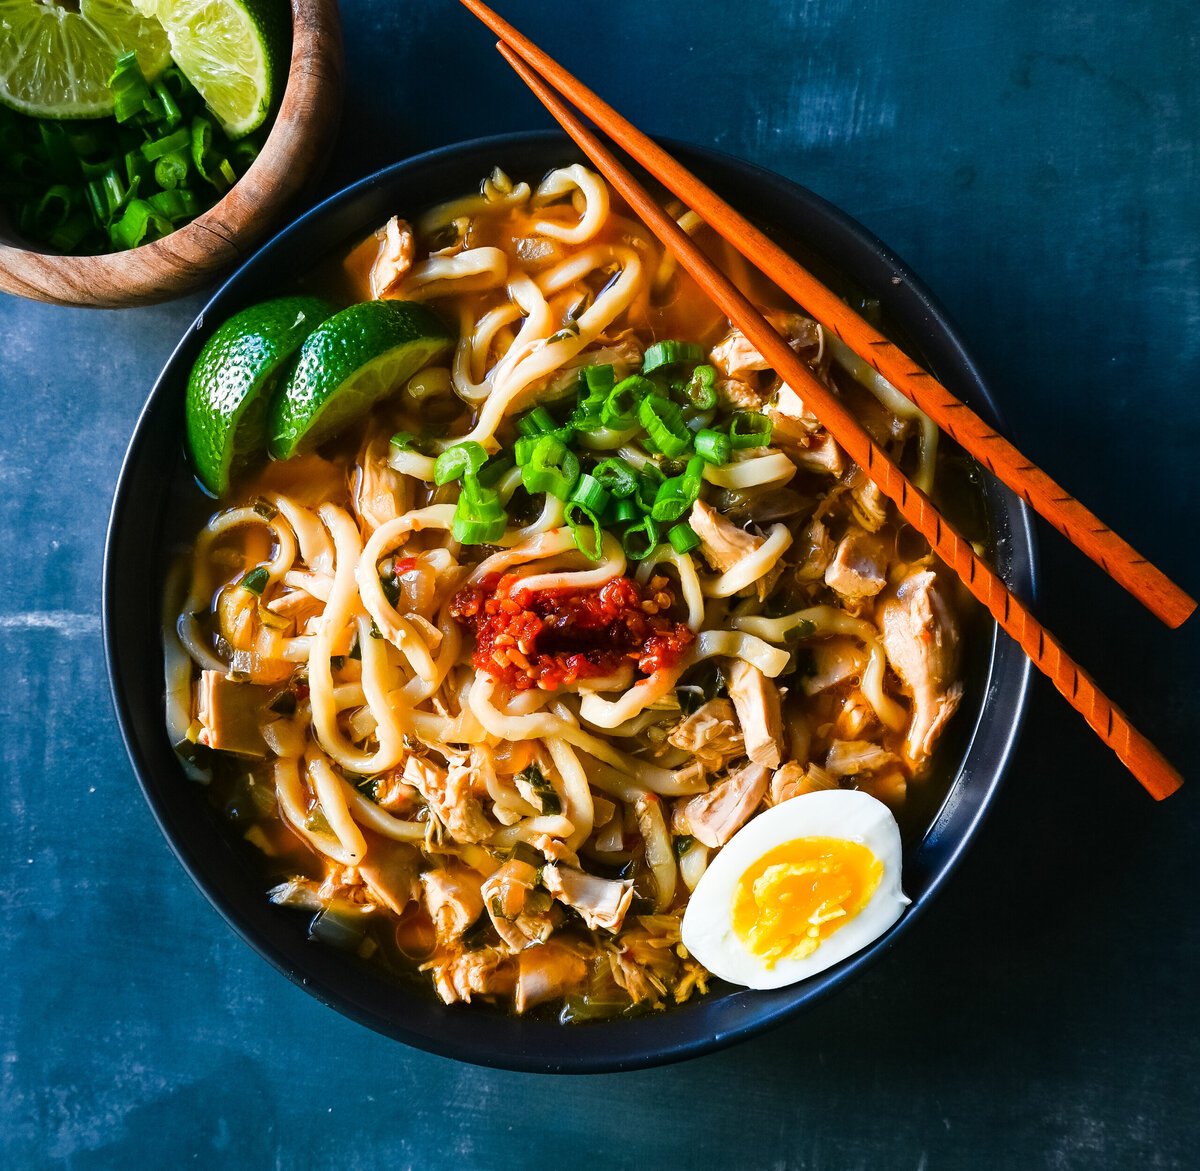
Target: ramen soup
(494, 676)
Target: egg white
(707, 928)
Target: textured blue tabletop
(1037, 165)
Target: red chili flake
(554, 638)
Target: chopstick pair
(544, 76)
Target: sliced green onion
(227, 173)
(649, 478)
(701, 388)
(677, 495)
(617, 476)
(585, 528)
(256, 580)
(683, 537)
(620, 410)
(479, 517)
(590, 494)
(139, 224)
(624, 511)
(749, 429)
(539, 421)
(404, 441)
(713, 447)
(641, 539)
(205, 161)
(671, 354)
(172, 114)
(597, 381)
(492, 471)
(459, 460)
(165, 146)
(171, 172)
(175, 205)
(130, 92)
(664, 424)
(53, 209)
(69, 235)
(550, 466)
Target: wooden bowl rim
(222, 235)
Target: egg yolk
(798, 894)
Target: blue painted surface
(1039, 169)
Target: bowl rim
(292, 156)
(1003, 734)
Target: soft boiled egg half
(797, 889)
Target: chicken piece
(734, 356)
(297, 606)
(449, 795)
(601, 901)
(397, 246)
(792, 423)
(848, 758)
(484, 972)
(230, 714)
(380, 493)
(921, 640)
(390, 871)
(519, 911)
(712, 818)
(756, 701)
(453, 899)
(816, 551)
(547, 973)
(834, 660)
(821, 455)
(393, 793)
(736, 395)
(724, 545)
(554, 850)
(794, 780)
(868, 505)
(710, 735)
(859, 567)
(297, 892)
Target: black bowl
(157, 508)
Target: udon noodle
(508, 764)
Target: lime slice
(348, 364)
(55, 62)
(231, 383)
(235, 52)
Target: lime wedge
(231, 383)
(349, 363)
(235, 52)
(55, 62)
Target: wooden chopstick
(1080, 526)
(1105, 718)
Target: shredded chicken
(448, 792)
(794, 780)
(712, 818)
(461, 975)
(859, 567)
(834, 660)
(547, 973)
(792, 423)
(380, 493)
(229, 715)
(453, 899)
(518, 910)
(756, 701)
(821, 455)
(868, 505)
(815, 549)
(710, 735)
(601, 901)
(848, 758)
(391, 873)
(724, 545)
(397, 246)
(921, 641)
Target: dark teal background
(1037, 165)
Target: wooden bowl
(194, 254)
